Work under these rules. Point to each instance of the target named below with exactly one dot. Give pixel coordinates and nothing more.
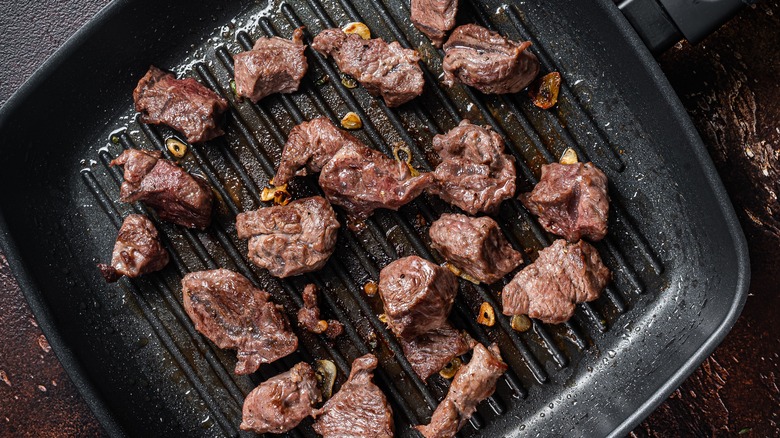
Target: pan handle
(661, 23)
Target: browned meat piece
(487, 61)
(473, 383)
(309, 147)
(183, 104)
(174, 194)
(417, 295)
(359, 409)
(137, 250)
(475, 245)
(230, 311)
(434, 18)
(564, 274)
(274, 65)
(432, 351)
(571, 200)
(386, 70)
(475, 174)
(292, 239)
(281, 402)
(361, 180)
(309, 315)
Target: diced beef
(417, 295)
(274, 65)
(473, 383)
(292, 239)
(137, 250)
(230, 311)
(571, 200)
(434, 18)
(386, 70)
(548, 289)
(488, 61)
(309, 147)
(183, 104)
(309, 315)
(174, 194)
(281, 402)
(359, 409)
(362, 179)
(429, 352)
(476, 245)
(475, 174)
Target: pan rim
(99, 407)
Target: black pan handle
(661, 23)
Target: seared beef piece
(291, 239)
(174, 194)
(432, 351)
(476, 245)
(274, 65)
(417, 295)
(475, 174)
(227, 309)
(362, 179)
(487, 61)
(137, 250)
(183, 104)
(386, 70)
(473, 383)
(309, 147)
(564, 274)
(359, 409)
(434, 18)
(281, 402)
(571, 200)
(309, 315)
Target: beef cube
(292, 239)
(417, 295)
(473, 383)
(183, 104)
(137, 250)
(430, 352)
(475, 245)
(359, 409)
(571, 200)
(232, 313)
(488, 61)
(309, 147)
(361, 180)
(274, 65)
(174, 194)
(434, 18)
(548, 289)
(386, 70)
(280, 403)
(475, 174)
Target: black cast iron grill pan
(678, 257)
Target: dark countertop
(729, 85)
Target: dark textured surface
(728, 84)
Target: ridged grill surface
(240, 164)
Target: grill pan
(678, 256)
